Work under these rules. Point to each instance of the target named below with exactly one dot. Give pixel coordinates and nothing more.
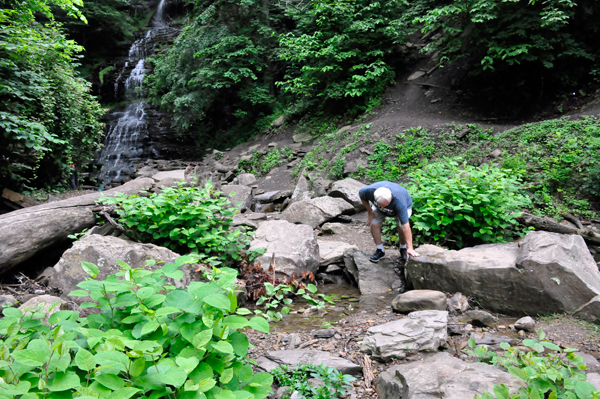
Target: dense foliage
(49, 122)
(183, 219)
(548, 371)
(335, 384)
(461, 205)
(148, 338)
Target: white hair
(382, 193)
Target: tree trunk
(26, 232)
(547, 225)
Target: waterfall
(126, 141)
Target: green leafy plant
(296, 378)
(77, 236)
(553, 375)
(463, 204)
(146, 339)
(183, 219)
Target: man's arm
(409, 244)
(363, 193)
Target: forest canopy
(49, 122)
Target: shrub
(183, 219)
(149, 338)
(464, 204)
(335, 383)
(560, 374)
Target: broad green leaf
(206, 384)
(226, 376)
(90, 269)
(85, 360)
(202, 338)
(137, 367)
(64, 381)
(28, 357)
(240, 343)
(260, 324)
(218, 301)
(123, 393)
(188, 364)
(110, 381)
(80, 293)
(223, 346)
(149, 327)
(236, 322)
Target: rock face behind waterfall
(545, 272)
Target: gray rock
(419, 300)
(420, 331)
(353, 166)
(458, 303)
(545, 272)
(493, 339)
(525, 323)
(270, 196)
(496, 153)
(321, 186)
(314, 212)
(177, 175)
(347, 189)
(333, 251)
(6, 299)
(416, 75)
(294, 340)
(103, 252)
(333, 269)
(295, 247)
(302, 191)
(594, 379)
(237, 194)
(301, 356)
(47, 304)
(326, 333)
(302, 137)
(335, 228)
(372, 278)
(442, 376)
(277, 123)
(246, 179)
(240, 219)
(479, 317)
(106, 229)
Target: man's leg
(402, 239)
(376, 224)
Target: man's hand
(412, 252)
(370, 218)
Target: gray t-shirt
(399, 205)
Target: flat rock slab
(442, 376)
(347, 189)
(314, 212)
(372, 278)
(103, 251)
(301, 356)
(419, 300)
(419, 331)
(237, 194)
(294, 245)
(173, 174)
(333, 251)
(544, 272)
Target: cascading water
(126, 141)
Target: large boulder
(237, 194)
(301, 191)
(294, 357)
(295, 247)
(347, 189)
(442, 376)
(103, 251)
(419, 300)
(545, 272)
(314, 212)
(333, 251)
(46, 304)
(372, 278)
(419, 331)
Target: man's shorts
(379, 216)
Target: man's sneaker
(403, 254)
(377, 255)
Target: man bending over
(388, 199)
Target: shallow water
(347, 301)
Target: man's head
(383, 196)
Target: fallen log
(548, 225)
(26, 232)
